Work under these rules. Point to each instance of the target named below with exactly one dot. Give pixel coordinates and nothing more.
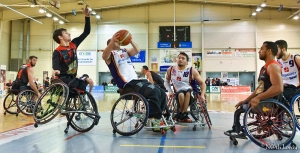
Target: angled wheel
(9, 103)
(295, 109)
(26, 100)
(50, 103)
(84, 113)
(271, 125)
(129, 114)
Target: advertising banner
(87, 57)
(139, 58)
(235, 89)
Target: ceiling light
(61, 22)
(32, 5)
(263, 4)
(258, 9)
(41, 10)
(49, 15)
(93, 13)
(254, 13)
(21, 13)
(296, 17)
(98, 16)
(55, 18)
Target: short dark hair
(108, 41)
(271, 45)
(282, 44)
(85, 75)
(145, 67)
(184, 54)
(56, 33)
(32, 57)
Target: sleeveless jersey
(180, 78)
(264, 81)
(68, 59)
(121, 67)
(290, 73)
(23, 75)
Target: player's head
(282, 48)
(145, 69)
(116, 45)
(182, 59)
(32, 60)
(60, 35)
(268, 50)
(85, 75)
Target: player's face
(279, 53)
(33, 62)
(181, 60)
(66, 36)
(263, 52)
(116, 45)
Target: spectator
(104, 84)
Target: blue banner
(96, 89)
(164, 68)
(163, 44)
(185, 45)
(139, 58)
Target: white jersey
(121, 67)
(180, 78)
(289, 71)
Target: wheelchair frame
(18, 94)
(136, 99)
(269, 121)
(200, 107)
(72, 110)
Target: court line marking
(158, 146)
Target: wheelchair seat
(125, 91)
(14, 91)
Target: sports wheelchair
(270, 125)
(17, 101)
(131, 112)
(79, 107)
(197, 109)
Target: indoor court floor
(18, 135)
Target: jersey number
(291, 62)
(185, 74)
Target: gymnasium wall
(219, 33)
(5, 27)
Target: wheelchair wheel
(295, 108)
(84, 112)
(9, 104)
(26, 100)
(174, 107)
(271, 124)
(203, 109)
(129, 114)
(50, 103)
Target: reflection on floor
(17, 134)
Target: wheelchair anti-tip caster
(194, 128)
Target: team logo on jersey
(178, 78)
(286, 69)
(173, 72)
(122, 55)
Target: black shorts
(184, 92)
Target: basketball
(124, 37)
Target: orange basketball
(124, 37)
